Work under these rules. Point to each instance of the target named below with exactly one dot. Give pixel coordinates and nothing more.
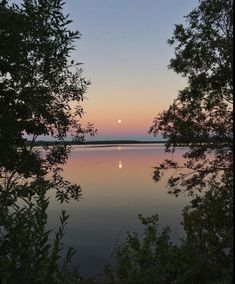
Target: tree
(40, 94)
(40, 90)
(201, 116)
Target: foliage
(204, 255)
(201, 119)
(152, 259)
(201, 116)
(208, 224)
(40, 91)
(27, 253)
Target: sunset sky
(125, 54)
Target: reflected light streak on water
(120, 164)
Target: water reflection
(112, 199)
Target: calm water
(116, 186)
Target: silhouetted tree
(40, 90)
(201, 116)
(40, 94)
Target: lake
(117, 185)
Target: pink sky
(125, 54)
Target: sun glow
(119, 121)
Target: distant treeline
(44, 143)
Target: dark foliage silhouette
(39, 83)
(200, 119)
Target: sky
(125, 56)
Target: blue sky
(125, 54)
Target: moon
(119, 121)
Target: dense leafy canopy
(201, 116)
(40, 87)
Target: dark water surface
(116, 186)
